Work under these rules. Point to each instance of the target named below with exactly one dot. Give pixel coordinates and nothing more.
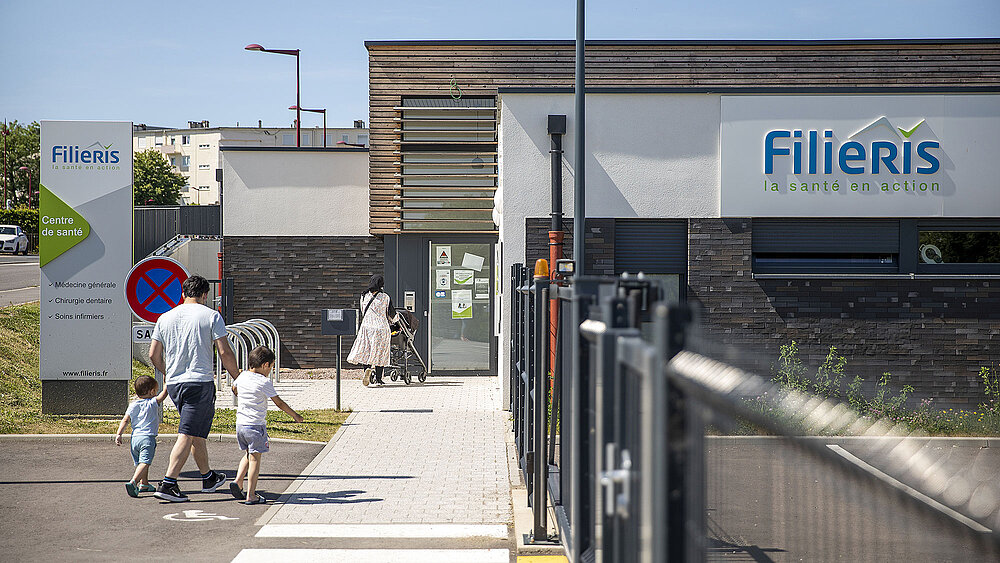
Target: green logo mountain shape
(60, 228)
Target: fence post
(539, 380)
(679, 492)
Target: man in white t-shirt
(181, 349)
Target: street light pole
(298, 101)
(579, 192)
(27, 171)
(323, 111)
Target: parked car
(13, 239)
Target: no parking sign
(153, 287)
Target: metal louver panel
(826, 236)
(651, 246)
(447, 153)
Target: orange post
(555, 253)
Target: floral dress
(371, 347)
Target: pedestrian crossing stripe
(433, 531)
(374, 555)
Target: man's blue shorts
(143, 448)
(195, 403)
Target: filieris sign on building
(85, 249)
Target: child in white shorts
(253, 389)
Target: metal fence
(154, 226)
(651, 444)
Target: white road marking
(196, 516)
(907, 489)
(498, 531)
(18, 263)
(374, 555)
(18, 289)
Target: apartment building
(194, 151)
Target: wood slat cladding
(411, 69)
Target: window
(173, 161)
(960, 247)
(345, 138)
(288, 140)
(329, 139)
(185, 139)
(204, 166)
(814, 246)
(142, 142)
(185, 162)
(173, 140)
(202, 188)
(306, 137)
(185, 189)
(159, 141)
(203, 146)
(363, 140)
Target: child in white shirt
(144, 415)
(253, 389)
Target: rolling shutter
(826, 236)
(651, 246)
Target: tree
(19, 147)
(154, 182)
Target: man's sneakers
(170, 492)
(212, 482)
(237, 492)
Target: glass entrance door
(461, 305)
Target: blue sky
(164, 63)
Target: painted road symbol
(153, 287)
(196, 516)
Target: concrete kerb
(304, 476)
(523, 517)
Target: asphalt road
(19, 277)
(63, 499)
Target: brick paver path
(430, 453)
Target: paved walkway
(426, 463)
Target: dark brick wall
(287, 280)
(933, 334)
(600, 239)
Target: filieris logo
(73, 154)
(891, 151)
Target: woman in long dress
(371, 347)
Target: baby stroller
(403, 355)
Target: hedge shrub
(26, 218)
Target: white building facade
(194, 152)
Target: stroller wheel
(422, 376)
(393, 375)
(407, 378)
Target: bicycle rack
(244, 337)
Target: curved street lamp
(323, 111)
(27, 171)
(298, 100)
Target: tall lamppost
(27, 171)
(323, 111)
(4, 132)
(298, 100)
